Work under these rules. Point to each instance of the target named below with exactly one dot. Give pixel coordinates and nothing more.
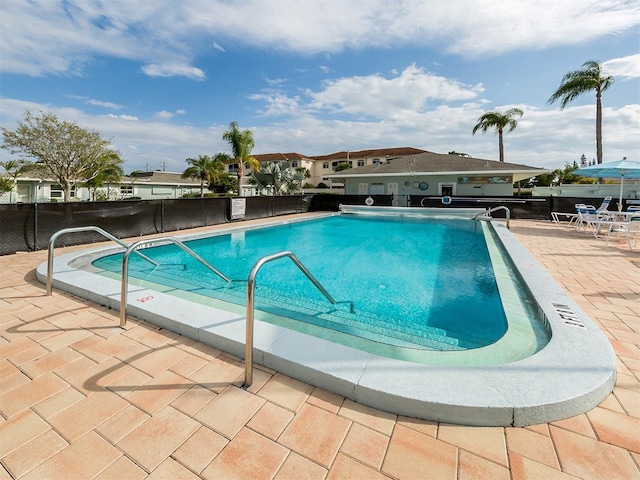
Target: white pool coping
(572, 374)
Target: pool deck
(82, 398)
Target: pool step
(316, 312)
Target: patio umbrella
(620, 169)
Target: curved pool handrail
(251, 284)
(148, 243)
(487, 214)
(99, 230)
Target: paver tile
(296, 467)
(230, 411)
(532, 445)
(96, 454)
(248, 455)
(153, 441)
(29, 394)
(345, 467)
(270, 420)
(378, 420)
(365, 445)
(49, 362)
(315, 434)
(122, 423)
(286, 392)
(218, 374)
(486, 442)
(122, 469)
(19, 430)
(85, 415)
(326, 400)
(58, 402)
(473, 467)
(587, 458)
(193, 400)
(428, 427)
(159, 392)
(411, 454)
(616, 428)
(33, 453)
(523, 468)
(170, 470)
(199, 449)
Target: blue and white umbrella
(620, 169)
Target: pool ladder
(486, 215)
(251, 281)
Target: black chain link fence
(29, 226)
(25, 227)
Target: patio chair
(592, 221)
(630, 229)
(604, 206)
(573, 217)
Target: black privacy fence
(29, 226)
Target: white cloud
(410, 91)
(625, 67)
(173, 70)
(164, 115)
(100, 103)
(43, 36)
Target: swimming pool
(413, 283)
(570, 374)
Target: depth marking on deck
(568, 316)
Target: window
(361, 163)
(58, 192)
(126, 189)
(233, 168)
(376, 161)
(294, 164)
(325, 165)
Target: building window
(376, 161)
(361, 163)
(294, 164)
(58, 192)
(233, 168)
(325, 165)
(126, 189)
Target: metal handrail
(153, 242)
(251, 281)
(55, 236)
(494, 209)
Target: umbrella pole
(620, 200)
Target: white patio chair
(630, 229)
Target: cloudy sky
(163, 79)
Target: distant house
(321, 167)
(142, 185)
(429, 173)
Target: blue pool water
(425, 283)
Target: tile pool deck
(81, 398)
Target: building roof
(377, 152)
(158, 177)
(280, 157)
(429, 163)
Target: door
(392, 189)
(363, 188)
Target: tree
(587, 79)
(62, 151)
(499, 121)
(205, 168)
(13, 169)
(241, 145)
(108, 170)
(459, 154)
(343, 166)
(278, 177)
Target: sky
(162, 80)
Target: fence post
(35, 227)
(162, 215)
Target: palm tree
(499, 121)
(584, 80)
(106, 169)
(241, 145)
(205, 168)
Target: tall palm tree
(241, 145)
(586, 79)
(205, 168)
(499, 121)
